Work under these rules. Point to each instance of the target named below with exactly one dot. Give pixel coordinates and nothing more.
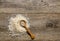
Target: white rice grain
(14, 23)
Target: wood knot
(52, 23)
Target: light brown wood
(41, 14)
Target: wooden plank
(39, 26)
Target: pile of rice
(14, 23)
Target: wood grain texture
(44, 19)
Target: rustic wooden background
(44, 18)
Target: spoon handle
(30, 33)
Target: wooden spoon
(23, 24)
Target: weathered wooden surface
(30, 6)
(44, 19)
